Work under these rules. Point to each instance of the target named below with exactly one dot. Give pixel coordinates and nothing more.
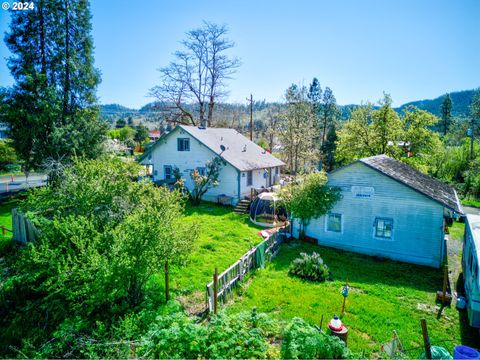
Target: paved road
(471, 210)
(19, 183)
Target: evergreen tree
(329, 112)
(446, 111)
(329, 148)
(51, 108)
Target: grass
(6, 207)
(384, 296)
(457, 231)
(471, 202)
(224, 237)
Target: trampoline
(264, 211)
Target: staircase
(242, 207)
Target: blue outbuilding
(387, 209)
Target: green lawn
(384, 296)
(471, 202)
(457, 230)
(224, 237)
(6, 218)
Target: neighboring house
(3, 131)
(154, 135)
(387, 209)
(246, 165)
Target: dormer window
(183, 144)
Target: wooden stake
(321, 323)
(167, 295)
(215, 290)
(426, 339)
(344, 298)
(445, 278)
(4, 232)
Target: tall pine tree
(52, 109)
(446, 111)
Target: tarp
(260, 254)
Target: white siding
(418, 220)
(166, 153)
(258, 180)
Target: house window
(384, 228)
(334, 222)
(168, 171)
(249, 178)
(277, 170)
(202, 171)
(183, 144)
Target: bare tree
(196, 76)
(273, 120)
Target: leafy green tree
(8, 155)
(120, 123)
(371, 132)
(53, 99)
(141, 134)
(308, 198)
(446, 111)
(203, 182)
(297, 130)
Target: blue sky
(410, 49)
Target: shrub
(302, 341)
(310, 267)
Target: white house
(246, 165)
(387, 209)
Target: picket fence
(23, 229)
(228, 279)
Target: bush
(310, 267)
(302, 341)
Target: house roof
(240, 152)
(427, 185)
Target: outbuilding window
(183, 144)
(168, 172)
(334, 223)
(383, 228)
(249, 178)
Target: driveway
(19, 183)
(471, 210)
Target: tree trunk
(211, 105)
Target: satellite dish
(222, 147)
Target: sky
(410, 49)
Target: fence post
(426, 339)
(215, 290)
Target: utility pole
(251, 116)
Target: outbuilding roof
(231, 146)
(416, 180)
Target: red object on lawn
(335, 324)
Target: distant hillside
(461, 102)
(238, 113)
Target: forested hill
(461, 102)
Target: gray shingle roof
(240, 152)
(416, 180)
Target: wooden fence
(221, 288)
(23, 229)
